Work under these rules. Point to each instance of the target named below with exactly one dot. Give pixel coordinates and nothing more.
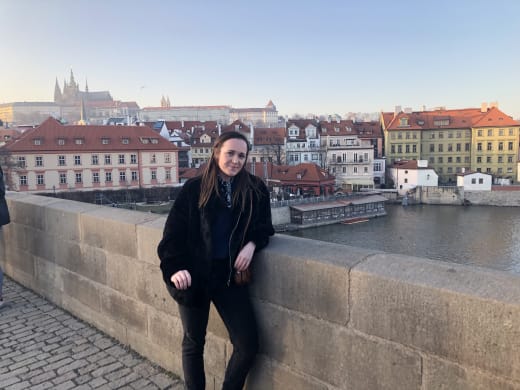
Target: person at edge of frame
(4, 220)
(219, 220)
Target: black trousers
(234, 307)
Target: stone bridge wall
(331, 316)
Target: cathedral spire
(72, 81)
(86, 85)
(57, 92)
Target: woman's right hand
(181, 279)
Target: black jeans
(234, 307)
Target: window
(499, 171)
(490, 132)
(450, 169)
(122, 176)
(105, 141)
(432, 148)
(500, 146)
(39, 161)
(440, 148)
(480, 181)
(511, 132)
(458, 160)
(61, 141)
(467, 147)
(95, 159)
(134, 175)
(61, 160)
(473, 181)
(37, 141)
(108, 177)
(432, 135)
(414, 148)
(399, 148)
(79, 178)
(407, 148)
(479, 133)
(488, 170)
(125, 141)
(488, 159)
(23, 180)
(450, 160)
(133, 159)
(441, 134)
(167, 158)
(509, 146)
(153, 159)
(95, 177)
(168, 174)
(509, 159)
(154, 174)
(450, 148)
(406, 180)
(479, 160)
(479, 146)
(392, 149)
(63, 178)
(108, 159)
(355, 169)
(365, 169)
(500, 159)
(77, 160)
(501, 132)
(121, 159)
(440, 160)
(39, 179)
(21, 162)
(458, 147)
(78, 141)
(489, 146)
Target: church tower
(57, 92)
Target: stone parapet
(330, 316)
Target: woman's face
(232, 157)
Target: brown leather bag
(243, 277)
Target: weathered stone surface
(149, 235)
(444, 375)
(270, 374)
(302, 275)
(465, 314)
(334, 354)
(124, 310)
(84, 290)
(113, 230)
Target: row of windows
(78, 176)
(104, 141)
(452, 134)
(453, 147)
(488, 170)
(38, 162)
(458, 160)
(355, 170)
(510, 146)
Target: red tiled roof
(50, 131)
(269, 135)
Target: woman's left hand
(245, 256)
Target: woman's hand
(245, 256)
(181, 279)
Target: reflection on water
(478, 235)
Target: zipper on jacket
(229, 250)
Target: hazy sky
(307, 56)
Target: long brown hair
(242, 181)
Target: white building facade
(409, 174)
(475, 181)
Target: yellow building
(483, 140)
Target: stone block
(334, 354)
(113, 230)
(124, 310)
(444, 375)
(82, 289)
(29, 210)
(149, 235)
(20, 262)
(153, 292)
(62, 218)
(270, 374)
(305, 276)
(99, 320)
(48, 280)
(468, 315)
(125, 274)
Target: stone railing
(330, 316)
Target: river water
(485, 236)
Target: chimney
(483, 107)
(463, 170)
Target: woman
(4, 220)
(217, 223)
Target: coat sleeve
(261, 227)
(172, 249)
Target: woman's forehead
(236, 144)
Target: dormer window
(125, 141)
(105, 140)
(61, 141)
(37, 141)
(79, 141)
(154, 141)
(403, 122)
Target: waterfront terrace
(331, 316)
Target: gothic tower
(57, 93)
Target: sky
(320, 57)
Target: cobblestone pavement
(44, 347)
